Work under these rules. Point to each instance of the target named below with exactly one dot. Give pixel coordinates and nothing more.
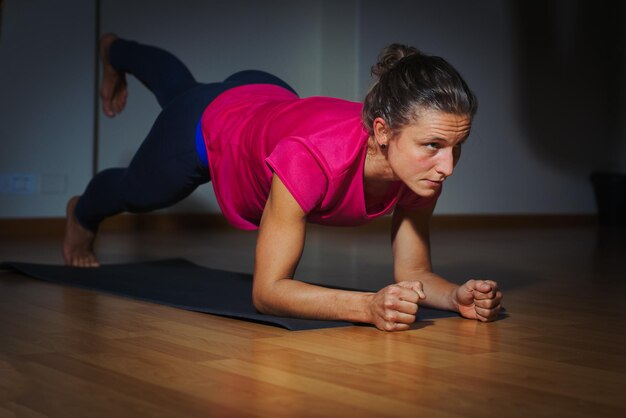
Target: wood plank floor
(560, 352)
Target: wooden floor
(561, 352)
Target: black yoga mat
(182, 284)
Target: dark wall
(571, 64)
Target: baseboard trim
(34, 227)
(514, 221)
(41, 227)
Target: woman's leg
(165, 169)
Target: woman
(277, 161)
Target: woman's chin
(425, 188)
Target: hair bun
(390, 56)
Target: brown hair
(408, 81)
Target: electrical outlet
(19, 183)
(32, 183)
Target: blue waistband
(200, 147)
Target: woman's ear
(381, 131)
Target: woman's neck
(377, 174)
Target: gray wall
(46, 101)
(532, 145)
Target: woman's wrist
(454, 301)
(366, 316)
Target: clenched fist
(394, 307)
(479, 299)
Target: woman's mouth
(434, 183)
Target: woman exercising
(277, 161)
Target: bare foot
(78, 242)
(113, 89)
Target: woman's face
(423, 154)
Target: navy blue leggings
(166, 168)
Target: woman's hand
(479, 299)
(394, 307)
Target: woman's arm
(279, 248)
(410, 240)
(410, 236)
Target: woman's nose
(445, 165)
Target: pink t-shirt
(316, 146)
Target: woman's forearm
(411, 253)
(288, 297)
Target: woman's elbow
(260, 301)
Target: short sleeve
(293, 161)
(409, 200)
